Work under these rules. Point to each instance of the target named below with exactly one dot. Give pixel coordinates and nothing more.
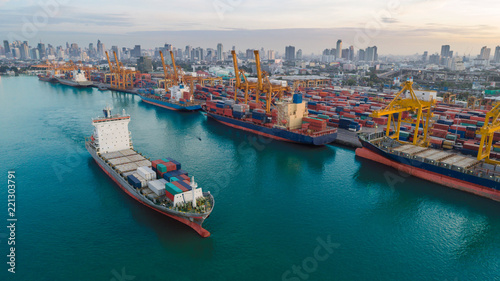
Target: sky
(397, 27)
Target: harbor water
(282, 211)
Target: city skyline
(310, 26)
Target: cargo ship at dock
(179, 98)
(289, 121)
(77, 79)
(160, 184)
(447, 168)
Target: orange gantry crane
(121, 77)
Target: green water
(277, 204)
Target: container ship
(447, 168)
(160, 184)
(77, 79)
(289, 121)
(179, 98)
(47, 78)
(435, 148)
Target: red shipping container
(171, 166)
(170, 196)
(180, 186)
(156, 162)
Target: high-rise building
(446, 54)
(496, 57)
(6, 46)
(351, 53)
(136, 52)
(115, 49)
(361, 55)
(24, 49)
(34, 55)
(339, 49)
(187, 52)
(485, 53)
(41, 50)
(290, 53)
(271, 55)
(299, 54)
(220, 51)
(100, 49)
(434, 59)
(445, 50)
(145, 64)
(424, 56)
(371, 54)
(249, 54)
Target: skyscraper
(220, 50)
(24, 50)
(271, 55)
(115, 49)
(136, 52)
(496, 58)
(445, 50)
(485, 53)
(339, 49)
(100, 49)
(6, 46)
(41, 50)
(299, 54)
(290, 53)
(424, 56)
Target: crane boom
(164, 70)
(236, 70)
(174, 68)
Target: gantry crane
(121, 77)
(245, 85)
(473, 102)
(402, 104)
(449, 97)
(491, 125)
(167, 78)
(272, 91)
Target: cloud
(389, 20)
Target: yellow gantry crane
(167, 82)
(272, 91)
(121, 77)
(491, 125)
(245, 85)
(402, 104)
(473, 102)
(449, 97)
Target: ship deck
(448, 159)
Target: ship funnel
(107, 111)
(123, 112)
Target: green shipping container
(173, 179)
(496, 149)
(172, 188)
(165, 160)
(451, 137)
(404, 134)
(161, 168)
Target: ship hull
(47, 79)
(170, 106)
(194, 221)
(274, 133)
(74, 83)
(440, 175)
